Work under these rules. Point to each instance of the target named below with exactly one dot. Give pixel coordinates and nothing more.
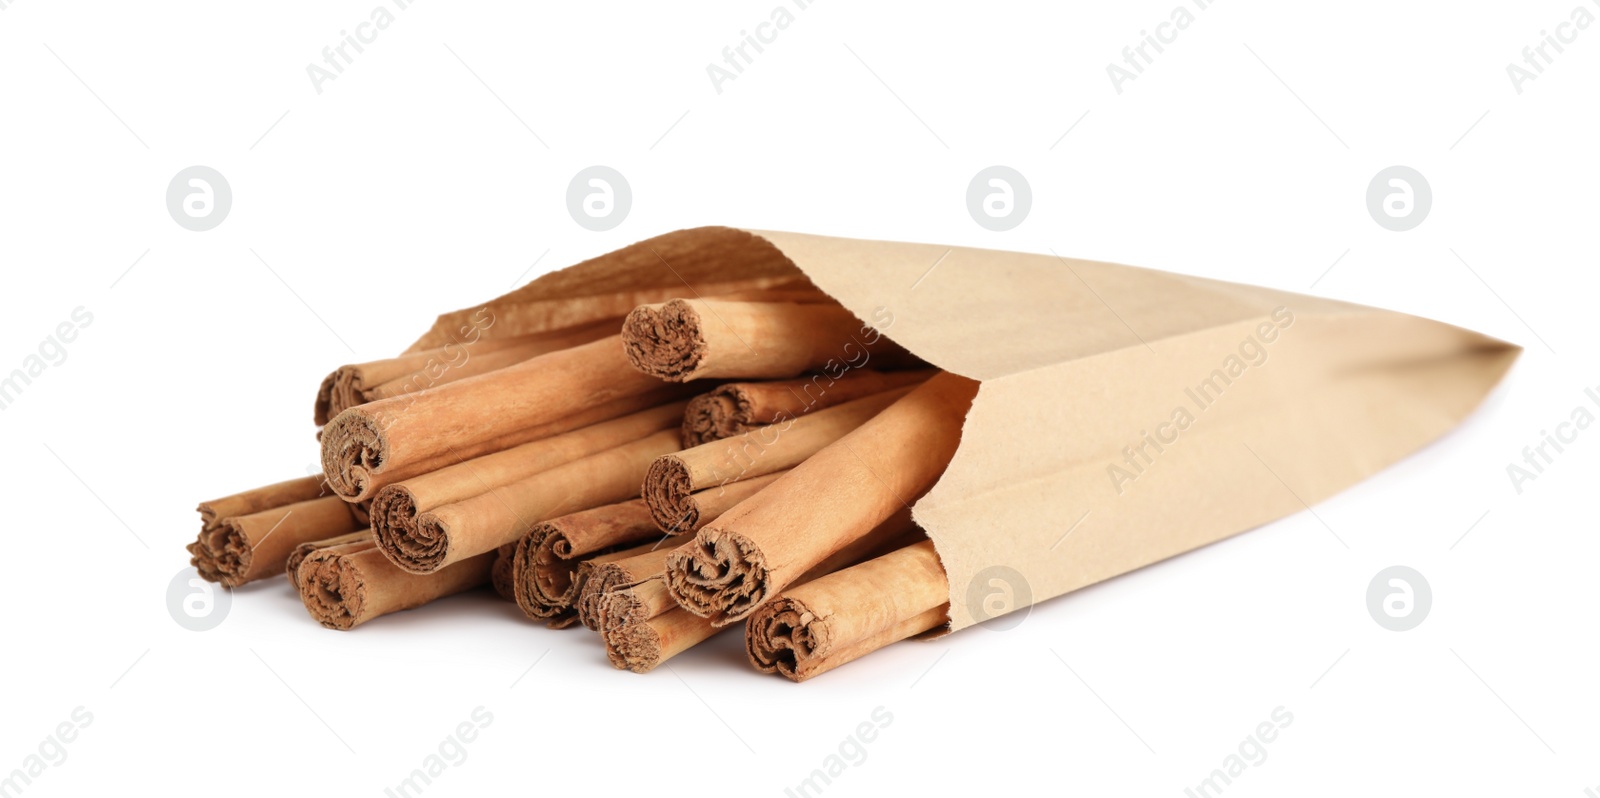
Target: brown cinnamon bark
(701, 507)
(673, 479)
(397, 507)
(266, 497)
(547, 558)
(359, 383)
(687, 339)
(234, 550)
(345, 586)
(820, 625)
(586, 568)
(640, 647)
(642, 625)
(736, 408)
(634, 604)
(604, 577)
(500, 572)
(375, 444)
(453, 532)
(291, 566)
(763, 544)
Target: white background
(432, 175)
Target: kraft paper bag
(1124, 415)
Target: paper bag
(1124, 415)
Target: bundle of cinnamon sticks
(687, 435)
(744, 454)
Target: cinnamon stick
(265, 497)
(603, 577)
(382, 442)
(234, 550)
(345, 586)
(640, 647)
(547, 558)
(680, 516)
(397, 507)
(453, 532)
(628, 605)
(687, 339)
(820, 625)
(359, 383)
(500, 572)
(735, 408)
(577, 572)
(765, 450)
(764, 543)
(642, 626)
(291, 566)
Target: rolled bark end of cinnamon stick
(668, 491)
(712, 417)
(500, 573)
(353, 447)
(545, 573)
(332, 589)
(304, 550)
(640, 647)
(720, 575)
(345, 586)
(635, 603)
(602, 578)
(666, 342)
(678, 509)
(235, 550)
(845, 615)
(420, 547)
